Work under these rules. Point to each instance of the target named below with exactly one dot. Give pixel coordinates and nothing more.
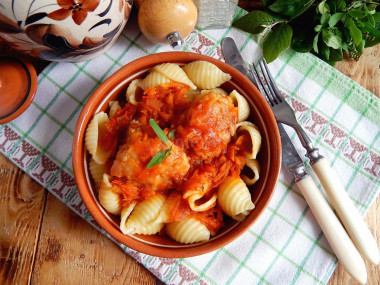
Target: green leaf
(376, 17)
(158, 158)
(355, 33)
(254, 22)
(331, 40)
(357, 14)
(159, 132)
(318, 28)
(171, 134)
(325, 52)
(335, 18)
(336, 54)
(325, 19)
(337, 5)
(277, 41)
(290, 8)
(315, 43)
(323, 8)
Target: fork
(347, 212)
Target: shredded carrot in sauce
(205, 150)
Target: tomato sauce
(205, 149)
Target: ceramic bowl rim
(79, 153)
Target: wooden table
(43, 242)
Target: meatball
(133, 157)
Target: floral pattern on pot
(63, 30)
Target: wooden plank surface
(43, 242)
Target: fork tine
(261, 85)
(271, 83)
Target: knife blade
(333, 230)
(336, 235)
(233, 57)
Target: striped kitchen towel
(286, 245)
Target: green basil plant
(327, 28)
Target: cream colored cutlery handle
(337, 237)
(347, 212)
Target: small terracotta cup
(18, 86)
(269, 157)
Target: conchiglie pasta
(173, 199)
(154, 78)
(234, 198)
(254, 134)
(175, 73)
(143, 215)
(196, 206)
(205, 75)
(215, 90)
(188, 231)
(131, 91)
(254, 166)
(108, 198)
(242, 104)
(124, 215)
(95, 130)
(97, 171)
(114, 107)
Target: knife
(352, 260)
(340, 201)
(333, 230)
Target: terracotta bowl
(269, 157)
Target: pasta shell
(143, 215)
(175, 73)
(205, 75)
(93, 132)
(215, 90)
(255, 136)
(234, 198)
(108, 198)
(125, 213)
(114, 107)
(242, 104)
(169, 203)
(131, 91)
(188, 231)
(254, 165)
(201, 207)
(97, 171)
(154, 78)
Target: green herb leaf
(159, 132)
(325, 52)
(376, 17)
(290, 8)
(355, 33)
(171, 134)
(325, 19)
(337, 5)
(315, 43)
(277, 41)
(323, 8)
(331, 40)
(336, 54)
(158, 158)
(357, 14)
(254, 22)
(335, 18)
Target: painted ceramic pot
(63, 30)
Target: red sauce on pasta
(204, 150)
